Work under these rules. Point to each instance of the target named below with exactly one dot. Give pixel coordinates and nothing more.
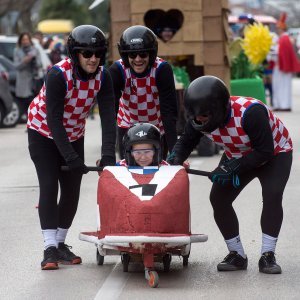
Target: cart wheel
(99, 258)
(185, 260)
(125, 261)
(167, 258)
(153, 279)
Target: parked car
(7, 46)
(12, 118)
(9, 110)
(11, 70)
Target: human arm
(55, 96)
(21, 60)
(256, 125)
(118, 83)
(168, 103)
(106, 103)
(185, 145)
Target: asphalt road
(21, 242)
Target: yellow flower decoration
(257, 42)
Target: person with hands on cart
(256, 145)
(142, 145)
(56, 127)
(144, 87)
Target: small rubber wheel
(167, 258)
(125, 261)
(99, 258)
(153, 279)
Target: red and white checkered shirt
(234, 139)
(139, 101)
(77, 104)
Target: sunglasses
(133, 55)
(142, 152)
(89, 53)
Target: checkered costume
(139, 101)
(78, 101)
(235, 140)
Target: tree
(66, 9)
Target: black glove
(172, 159)
(226, 173)
(106, 161)
(78, 166)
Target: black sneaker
(50, 261)
(267, 264)
(233, 262)
(65, 256)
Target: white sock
(235, 244)
(49, 238)
(268, 243)
(61, 235)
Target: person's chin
(91, 70)
(139, 69)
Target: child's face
(143, 154)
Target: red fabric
(288, 61)
(122, 212)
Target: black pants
(122, 131)
(273, 177)
(24, 104)
(47, 161)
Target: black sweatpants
(48, 162)
(273, 177)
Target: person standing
(144, 87)
(56, 127)
(28, 65)
(286, 65)
(256, 145)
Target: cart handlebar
(99, 169)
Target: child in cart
(142, 146)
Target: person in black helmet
(256, 145)
(56, 126)
(144, 86)
(142, 145)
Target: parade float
(247, 56)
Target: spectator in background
(286, 64)
(28, 64)
(39, 36)
(56, 48)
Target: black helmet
(207, 95)
(86, 37)
(142, 133)
(138, 39)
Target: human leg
(46, 159)
(121, 133)
(221, 198)
(273, 177)
(70, 189)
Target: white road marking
(113, 285)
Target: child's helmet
(207, 95)
(142, 133)
(138, 38)
(86, 37)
